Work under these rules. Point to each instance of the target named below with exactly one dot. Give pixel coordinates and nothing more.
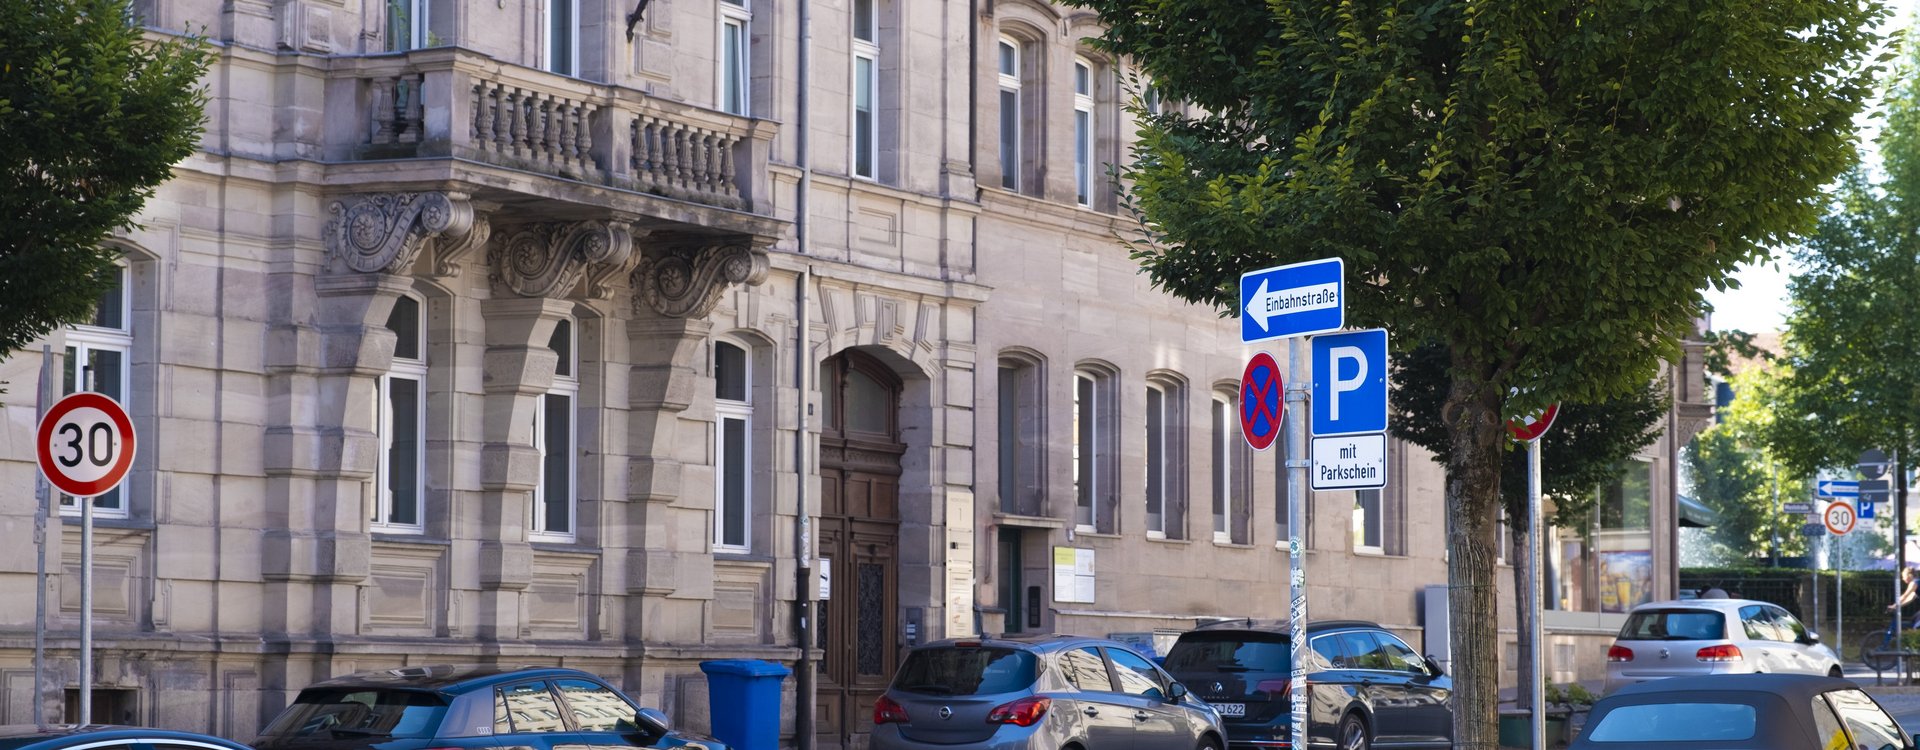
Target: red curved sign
(1531, 428)
(85, 444)
(1262, 401)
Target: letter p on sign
(1350, 383)
(1339, 356)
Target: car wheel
(1353, 734)
(1209, 744)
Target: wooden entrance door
(859, 528)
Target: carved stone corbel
(686, 281)
(549, 259)
(450, 253)
(384, 232)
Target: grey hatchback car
(1039, 693)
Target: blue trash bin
(744, 698)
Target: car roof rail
(1224, 622)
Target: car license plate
(1233, 710)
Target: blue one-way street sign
(1837, 488)
(1301, 299)
(1350, 383)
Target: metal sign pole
(1296, 425)
(42, 495)
(86, 611)
(1534, 595)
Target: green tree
(93, 116)
(1542, 187)
(1737, 475)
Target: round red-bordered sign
(1531, 428)
(1839, 518)
(1262, 401)
(85, 444)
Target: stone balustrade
(450, 102)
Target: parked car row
(416, 708)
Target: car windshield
(966, 671)
(1229, 652)
(1675, 625)
(1677, 722)
(325, 714)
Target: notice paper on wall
(1073, 579)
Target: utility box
(743, 696)
(1433, 619)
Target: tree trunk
(1472, 416)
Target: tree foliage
(1738, 476)
(1541, 187)
(93, 116)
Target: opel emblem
(946, 712)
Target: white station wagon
(1714, 636)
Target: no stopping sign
(86, 444)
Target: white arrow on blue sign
(1301, 299)
(1837, 488)
(1350, 383)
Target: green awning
(1695, 515)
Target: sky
(1760, 304)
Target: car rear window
(1677, 722)
(338, 713)
(1229, 652)
(1675, 625)
(966, 671)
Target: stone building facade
(513, 332)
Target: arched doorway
(860, 449)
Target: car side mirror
(1176, 693)
(1810, 638)
(1433, 667)
(653, 722)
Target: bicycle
(1882, 642)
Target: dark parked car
(103, 737)
(1741, 712)
(1366, 687)
(415, 708)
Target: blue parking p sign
(1866, 508)
(1350, 383)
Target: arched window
(401, 420)
(1083, 131)
(1011, 77)
(98, 357)
(1022, 436)
(555, 437)
(1095, 451)
(1166, 458)
(1232, 473)
(733, 449)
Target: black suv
(460, 707)
(1366, 688)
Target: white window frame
(734, 14)
(723, 410)
(84, 338)
(1086, 466)
(1010, 83)
(1377, 520)
(417, 34)
(1084, 124)
(548, 63)
(867, 50)
(1157, 527)
(567, 386)
(1221, 437)
(416, 371)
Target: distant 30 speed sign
(86, 444)
(1839, 518)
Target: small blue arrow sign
(1837, 488)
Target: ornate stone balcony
(453, 103)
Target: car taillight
(887, 711)
(1025, 712)
(1725, 652)
(1619, 653)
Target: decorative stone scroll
(686, 281)
(384, 232)
(549, 259)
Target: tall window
(562, 29)
(554, 438)
(1231, 469)
(402, 419)
(866, 85)
(97, 357)
(1086, 465)
(406, 25)
(1009, 113)
(733, 409)
(735, 20)
(1083, 131)
(1156, 462)
(1021, 438)
(1368, 522)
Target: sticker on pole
(86, 444)
(1839, 518)
(1261, 402)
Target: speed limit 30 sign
(1839, 518)
(86, 444)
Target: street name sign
(85, 444)
(1836, 488)
(1350, 383)
(1796, 508)
(1261, 404)
(1300, 299)
(1839, 518)
(1350, 462)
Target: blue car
(459, 707)
(104, 737)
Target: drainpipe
(804, 588)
